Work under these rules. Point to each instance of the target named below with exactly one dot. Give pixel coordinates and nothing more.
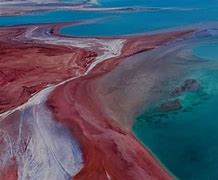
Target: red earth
(109, 150)
(28, 67)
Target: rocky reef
(188, 85)
(170, 105)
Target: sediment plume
(70, 70)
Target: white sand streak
(43, 148)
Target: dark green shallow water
(186, 140)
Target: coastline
(102, 123)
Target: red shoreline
(108, 149)
(18, 70)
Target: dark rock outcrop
(189, 85)
(170, 105)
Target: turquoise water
(207, 51)
(143, 21)
(121, 23)
(185, 13)
(48, 17)
(159, 3)
(186, 140)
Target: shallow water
(207, 51)
(186, 140)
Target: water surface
(186, 140)
(207, 51)
(167, 14)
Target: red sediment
(143, 43)
(140, 43)
(10, 171)
(8, 137)
(109, 150)
(27, 67)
